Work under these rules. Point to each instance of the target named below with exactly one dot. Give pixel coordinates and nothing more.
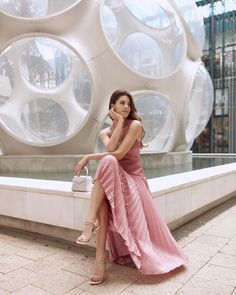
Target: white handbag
(82, 183)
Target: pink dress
(136, 231)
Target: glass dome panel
(200, 105)
(46, 63)
(44, 120)
(82, 90)
(193, 19)
(34, 8)
(110, 23)
(24, 114)
(143, 54)
(6, 78)
(155, 52)
(149, 12)
(158, 120)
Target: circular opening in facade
(158, 120)
(43, 101)
(200, 105)
(142, 54)
(46, 63)
(149, 12)
(6, 79)
(110, 23)
(147, 37)
(35, 8)
(44, 120)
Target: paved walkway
(33, 265)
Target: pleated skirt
(136, 231)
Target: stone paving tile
(3, 292)
(214, 244)
(126, 293)
(8, 249)
(59, 260)
(37, 252)
(200, 286)
(79, 291)
(224, 260)
(218, 274)
(17, 279)
(31, 290)
(154, 285)
(196, 227)
(83, 267)
(119, 278)
(59, 268)
(59, 282)
(195, 263)
(201, 224)
(225, 229)
(6, 237)
(182, 237)
(12, 262)
(230, 247)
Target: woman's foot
(99, 275)
(89, 228)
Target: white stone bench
(50, 207)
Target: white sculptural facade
(61, 60)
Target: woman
(122, 202)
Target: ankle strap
(100, 261)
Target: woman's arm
(111, 143)
(134, 132)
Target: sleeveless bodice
(131, 161)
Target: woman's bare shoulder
(136, 124)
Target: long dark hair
(133, 115)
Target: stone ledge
(46, 204)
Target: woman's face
(122, 106)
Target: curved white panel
(199, 105)
(46, 91)
(35, 8)
(147, 36)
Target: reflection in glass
(149, 12)
(6, 78)
(82, 89)
(193, 18)
(35, 8)
(44, 120)
(25, 8)
(142, 53)
(110, 23)
(158, 120)
(200, 105)
(147, 36)
(46, 63)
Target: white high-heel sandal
(99, 278)
(82, 239)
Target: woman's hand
(114, 115)
(80, 166)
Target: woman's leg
(100, 262)
(97, 197)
